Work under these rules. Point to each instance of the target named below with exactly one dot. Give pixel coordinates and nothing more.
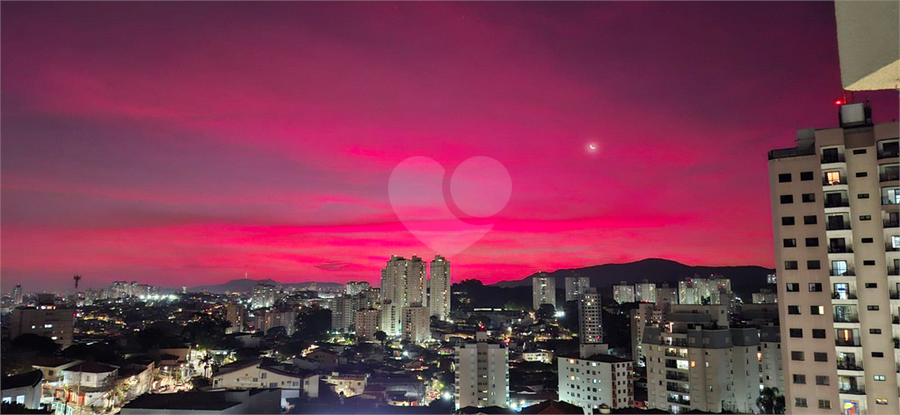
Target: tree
(546, 312)
(770, 401)
(32, 342)
(198, 382)
(381, 336)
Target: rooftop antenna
(76, 278)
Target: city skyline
(141, 145)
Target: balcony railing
(849, 366)
(833, 159)
(895, 320)
(837, 226)
(677, 387)
(888, 201)
(889, 248)
(848, 343)
(891, 223)
(791, 152)
(887, 154)
(840, 250)
(847, 319)
(836, 203)
(893, 271)
(895, 295)
(843, 296)
(843, 273)
(887, 177)
(853, 391)
(826, 182)
(671, 364)
(679, 400)
(676, 376)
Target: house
(52, 367)
(328, 360)
(90, 384)
(23, 389)
(250, 374)
(346, 384)
(252, 401)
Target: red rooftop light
(838, 102)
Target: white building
(623, 292)
(402, 283)
(251, 401)
(23, 389)
(343, 312)
(693, 363)
(356, 287)
(265, 319)
(416, 323)
(834, 208)
(346, 384)
(645, 292)
(666, 295)
(261, 374)
(771, 373)
(645, 315)
(482, 374)
(596, 380)
(542, 356)
(543, 289)
(575, 286)
(263, 296)
(765, 297)
(439, 288)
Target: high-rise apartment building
(590, 324)
(643, 316)
(47, 320)
(368, 321)
(695, 361)
(402, 284)
(235, 315)
(835, 203)
(592, 381)
(439, 288)
(263, 296)
(645, 292)
(482, 374)
(416, 323)
(343, 312)
(575, 286)
(543, 288)
(17, 295)
(356, 287)
(623, 292)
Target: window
(262, 375)
(869, 262)
(859, 151)
(816, 310)
(833, 177)
(784, 177)
(818, 333)
(877, 354)
(867, 240)
(881, 401)
(809, 220)
(787, 220)
(820, 356)
(800, 402)
(872, 307)
(797, 355)
(879, 378)
(861, 174)
(790, 243)
(874, 331)
(839, 268)
(862, 196)
(813, 265)
(793, 309)
(871, 285)
(786, 199)
(806, 176)
(812, 241)
(801, 379)
(808, 197)
(815, 287)
(824, 403)
(792, 287)
(798, 333)
(865, 217)
(895, 241)
(790, 264)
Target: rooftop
(91, 367)
(27, 379)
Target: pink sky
(190, 143)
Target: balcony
(671, 364)
(886, 154)
(833, 159)
(893, 271)
(888, 201)
(843, 273)
(837, 226)
(850, 366)
(895, 295)
(888, 177)
(677, 387)
(848, 343)
(678, 400)
(891, 223)
(853, 391)
(840, 250)
(837, 203)
(826, 182)
(853, 318)
(670, 375)
(843, 296)
(791, 152)
(889, 248)
(895, 319)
